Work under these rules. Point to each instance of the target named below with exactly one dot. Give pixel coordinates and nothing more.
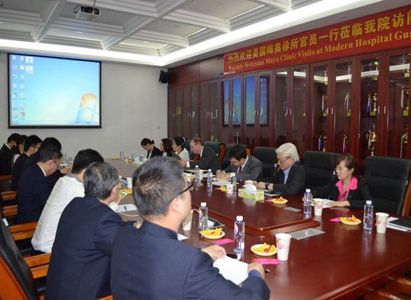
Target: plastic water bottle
(239, 234)
(141, 158)
(209, 178)
(368, 215)
(133, 157)
(308, 200)
(121, 156)
(234, 181)
(203, 217)
(197, 175)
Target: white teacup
(283, 245)
(188, 221)
(318, 206)
(230, 188)
(129, 182)
(382, 220)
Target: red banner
(381, 31)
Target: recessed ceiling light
(79, 32)
(146, 42)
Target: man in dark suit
(34, 187)
(6, 154)
(33, 159)
(80, 259)
(290, 179)
(208, 157)
(31, 146)
(245, 166)
(150, 262)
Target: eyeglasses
(281, 162)
(185, 190)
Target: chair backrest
(268, 157)
(387, 179)
(16, 277)
(218, 147)
(319, 167)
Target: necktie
(240, 170)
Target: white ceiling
(162, 32)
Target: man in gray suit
(245, 166)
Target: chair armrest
(9, 196)
(10, 210)
(40, 271)
(5, 177)
(106, 298)
(23, 235)
(38, 260)
(23, 227)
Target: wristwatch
(267, 184)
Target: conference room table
(343, 262)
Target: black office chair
(218, 147)
(17, 279)
(268, 157)
(387, 179)
(319, 168)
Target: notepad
(232, 269)
(302, 234)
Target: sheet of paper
(325, 203)
(181, 237)
(126, 207)
(232, 269)
(292, 209)
(305, 233)
(220, 183)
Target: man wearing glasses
(34, 187)
(290, 179)
(80, 260)
(150, 262)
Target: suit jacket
(32, 160)
(156, 152)
(295, 181)
(5, 160)
(80, 260)
(32, 193)
(208, 160)
(18, 166)
(357, 197)
(252, 170)
(150, 263)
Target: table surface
(344, 262)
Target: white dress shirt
(66, 189)
(184, 155)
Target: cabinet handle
(193, 113)
(291, 111)
(258, 113)
(385, 109)
(332, 111)
(378, 110)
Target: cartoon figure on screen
(88, 112)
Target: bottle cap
(196, 166)
(308, 190)
(203, 204)
(240, 218)
(368, 202)
(209, 170)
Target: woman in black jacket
(347, 187)
(152, 150)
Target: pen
(267, 271)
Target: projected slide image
(53, 92)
